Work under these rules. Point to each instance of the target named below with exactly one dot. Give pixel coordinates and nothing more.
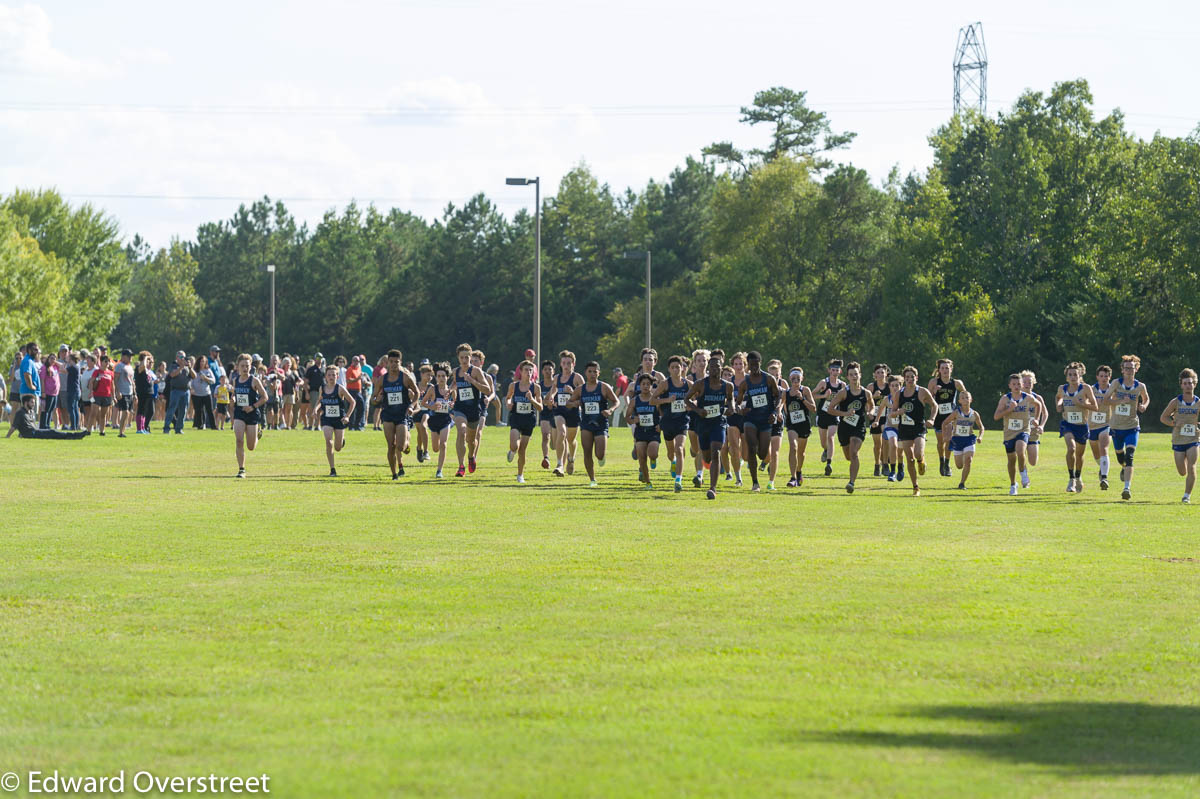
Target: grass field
(473, 637)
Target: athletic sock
(1104, 466)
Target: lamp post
(634, 254)
(537, 259)
(271, 272)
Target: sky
(169, 115)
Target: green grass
(357, 637)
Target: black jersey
(912, 411)
(856, 406)
(945, 396)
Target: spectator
(314, 376)
(102, 393)
(123, 383)
(73, 389)
(201, 386)
(143, 389)
(178, 378)
(30, 373)
(51, 382)
(160, 392)
(354, 386)
(223, 395)
(214, 363)
(85, 390)
(25, 419)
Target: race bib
(824, 406)
(1188, 431)
(796, 417)
(591, 408)
(1074, 417)
(563, 399)
(851, 420)
(678, 406)
(395, 398)
(1016, 424)
(1125, 409)
(332, 411)
(524, 407)
(440, 405)
(893, 421)
(758, 401)
(962, 429)
(646, 420)
(243, 400)
(945, 408)
(906, 419)
(1099, 417)
(712, 411)
(466, 393)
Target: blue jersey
(395, 395)
(592, 404)
(464, 390)
(333, 407)
(244, 395)
(646, 414)
(522, 402)
(758, 398)
(714, 403)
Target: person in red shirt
(102, 392)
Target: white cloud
(26, 49)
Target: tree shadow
(1102, 738)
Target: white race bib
(332, 411)
(851, 420)
(395, 397)
(243, 400)
(466, 393)
(645, 420)
(962, 429)
(796, 417)
(945, 408)
(1099, 417)
(758, 401)
(678, 406)
(524, 407)
(562, 399)
(1016, 424)
(824, 406)
(440, 405)
(591, 408)
(1074, 417)
(712, 411)
(1125, 409)
(893, 421)
(906, 419)
(1188, 431)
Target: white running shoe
(1071, 486)
(1012, 490)
(439, 474)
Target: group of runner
(732, 418)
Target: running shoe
(120, 435)
(400, 471)
(711, 494)
(633, 453)
(570, 466)
(755, 488)
(770, 485)
(697, 482)
(647, 485)
(1024, 482)
(891, 478)
(1125, 493)
(791, 483)
(921, 467)
(824, 455)
(962, 486)
(471, 465)
(653, 464)
(241, 472)
(545, 463)
(762, 466)
(678, 484)
(593, 484)
(1078, 485)
(511, 455)
(406, 448)
(877, 469)
(1012, 490)
(333, 472)
(439, 474)
(1187, 501)
(600, 461)
(558, 472)
(738, 484)
(1071, 486)
(828, 470)
(850, 487)
(916, 491)
(461, 471)
(521, 479)
(395, 476)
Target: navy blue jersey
(244, 395)
(677, 409)
(592, 403)
(464, 390)
(333, 407)
(645, 412)
(714, 402)
(522, 402)
(758, 398)
(395, 395)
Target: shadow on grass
(1109, 738)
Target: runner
(648, 366)
(827, 424)
(697, 371)
(735, 444)
(645, 420)
(470, 383)
(712, 399)
(726, 469)
(485, 398)
(419, 417)
(775, 370)
(853, 406)
(249, 396)
(959, 432)
(1128, 399)
(1018, 410)
(337, 403)
(1183, 416)
(675, 421)
(524, 401)
(879, 391)
(1074, 400)
(439, 398)
(758, 397)
(798, 406)
(546, 414)
(1098, 433)
(397, 392)
(1037, 426)
(915, 404)
(945, 388)
(891, 429)
(566, 417)
(597, 401)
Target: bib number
(1125, 409)
(1016, 424)
(851, 420)
(893, 421)
(466, 394)
(563, 399)
(332, 411)
(524, 407)
(243, 400)
(395, 398)
(712, 411)
(824, 406)
(945, 408)
(962, 429)
(678, 406)
(645, 420)
(758, 401)
(796, 417)
(1074, 417)
(440, 406)
(591, 408)
(905, 419)
(1099, 418)
(1188, 431)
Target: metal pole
(537, 272)
(272, 314)
(647, 299)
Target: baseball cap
(214, 348)
(425, 361)
(529, 353)
(256, 357)
(318, 356)
(127, 351)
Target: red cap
(529, 353)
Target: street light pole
(271, 271)
(537, 260)
(631, 254)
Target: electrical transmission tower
(970, 70)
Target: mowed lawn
(472, 637)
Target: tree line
(1037, 237)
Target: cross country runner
(827, 424)
(420, 417)
(1018, 410)
(712, 399)
(546, 414)
(890, 411)
(959, 431)
(439, 399)
(1036, 427)
(249, 396)
(853, 406)
(1128, 399)
(336, 405)
(524, 401)
(1183, 415)
(775, 370)
(593, 402)
(566, 417)
(397, 392)
(798, 407)
(675, 422)
(733, 443)
(1074, 400)
(645, 422)
(945, 388)
(1098, 420)
(470, 383)
(879, 390)
(915, 407)
(697, 371)
(758, 399)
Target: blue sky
(191, 108)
